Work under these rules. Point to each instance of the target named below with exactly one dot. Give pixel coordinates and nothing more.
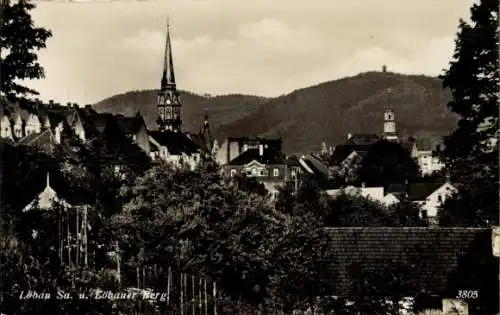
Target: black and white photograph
(281, 157)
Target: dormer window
(233, 172)
(276, 172)
(440, 199)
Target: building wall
(33, 125)
(6, 127)
(269, 174)
(428, 163)
(436, 199)
(18, 127)
(142, 139)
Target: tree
(347, 210)
(20, 41)
(386, 163)
(471, 152)
(406, 213)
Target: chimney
(75, 105)
(261, 149)
(349, 136)
(384, 68)
(363, 185)
(51, 103)
(68, 104)
(88, 106)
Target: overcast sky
(238, 46)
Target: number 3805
(467, 294)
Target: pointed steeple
(168, 78)
(48, 180)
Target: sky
(257, 47)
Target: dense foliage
(20, 40)
(471, 151)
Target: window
(276, 172)
(424, 214)
(440, 199)
(233, 173)
(254, 172)
(262, 173)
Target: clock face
(169, 102)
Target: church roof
(177, 143)
(168, 79)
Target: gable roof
(46, 199)
(344, 150)
(177, 143)
(269, 156)
(436, 254)
(362, 139)
(420, 191)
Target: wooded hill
(306, 117)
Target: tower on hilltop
(168, 100)
(389, 133)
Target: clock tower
(168, 100)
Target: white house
(33, 125)
(426, 159)
(175, 148)
(6, 128)
(430, 196)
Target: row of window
(256, 172)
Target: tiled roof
(433, 255)
(396, 189)
(177, 143)
(269, 156)
(362, 139)
(29, 138)
(130, 125)
(420, 191)
(343, 151)
(318, 167)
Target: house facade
(430, 196)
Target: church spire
(168, 78)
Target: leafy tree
(20, 41)
(194, 222)
(347, 173)
(471, 152)
(348, 210)
(301, 252)
(406, 213)
(386, 163)
(250, 185)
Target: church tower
(390, 133)
(168, 100)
